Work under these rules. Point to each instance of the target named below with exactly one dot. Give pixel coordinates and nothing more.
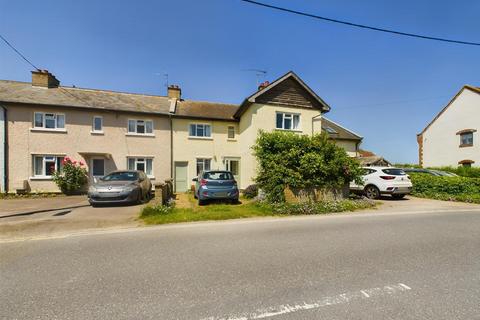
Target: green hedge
(446, 188)
(287, 159)
(461, 171)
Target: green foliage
(322, 207)
(157, 209)
(471, 172)
(446, 188)
(72, 177)
(407, 165)
(251, 191)
(286, 159)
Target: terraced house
(166, 136)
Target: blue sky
(385, 87)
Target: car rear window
(394, 172)
(218, 175)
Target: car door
(365, 178)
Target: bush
(471, 172)
(72, 177)
(251, 191)
(158, 209)
(322, 207)
(286, 159)
(446, 188)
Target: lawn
(157, 214)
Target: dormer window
(466, 137)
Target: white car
(383, 180)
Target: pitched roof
(206, 110)
(469, 87)
(24, 92)
(322, 105)
(336, 131)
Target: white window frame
(43, 175)
(463, 135)
(290, 115)
(234, 133)
(136, 133)
(43, 126)
(93, 125)
(140, 159)
(195, 131)
(203, 164)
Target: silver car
(120, 187)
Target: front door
(181, 176)
(97, 168)
(233, 165)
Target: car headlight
(129, 188)
(92, 189)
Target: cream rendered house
(165, 136)
(219, 136)
(451, 138)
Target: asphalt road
(364, 266)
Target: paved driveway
(23, 218)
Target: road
(362, 266)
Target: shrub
(471, 172)
(251, 191)
(158, 209)
(322, 207)
(72, 177)
(286, 159)
(446, 188)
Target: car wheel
(201, 202)
(195, 195)
(372, 192)
(139, 197)
(398, 196)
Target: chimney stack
(174, 92)
(43, 78)
(263, 85)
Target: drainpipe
(171, 146)
(5, 149)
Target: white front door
(97, 168)
(233, 165)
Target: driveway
(24, 218)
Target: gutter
(5, 149)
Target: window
(288, 121)
(140, 126)
(200, 130)
(97, 125)
(466, 139)
(231, 132)
(45, 166)
(141, 164)
(49, 120)
(203, 164)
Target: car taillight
(387, 177)
(203, 182)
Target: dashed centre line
(323, 302)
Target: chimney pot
(174, 92)
(263, 85)
(43, 78)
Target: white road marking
(323, 302)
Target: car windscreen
(218, 175)
(394, 172)
(121, 176)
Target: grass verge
(158, 214)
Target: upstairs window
(231, 132)
(287, 121)
(200, 130)
(140, 126)
(49, 120)
(97, 125)
(45, 166)
(466, 139)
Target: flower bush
(287, 159)
(72, 177)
